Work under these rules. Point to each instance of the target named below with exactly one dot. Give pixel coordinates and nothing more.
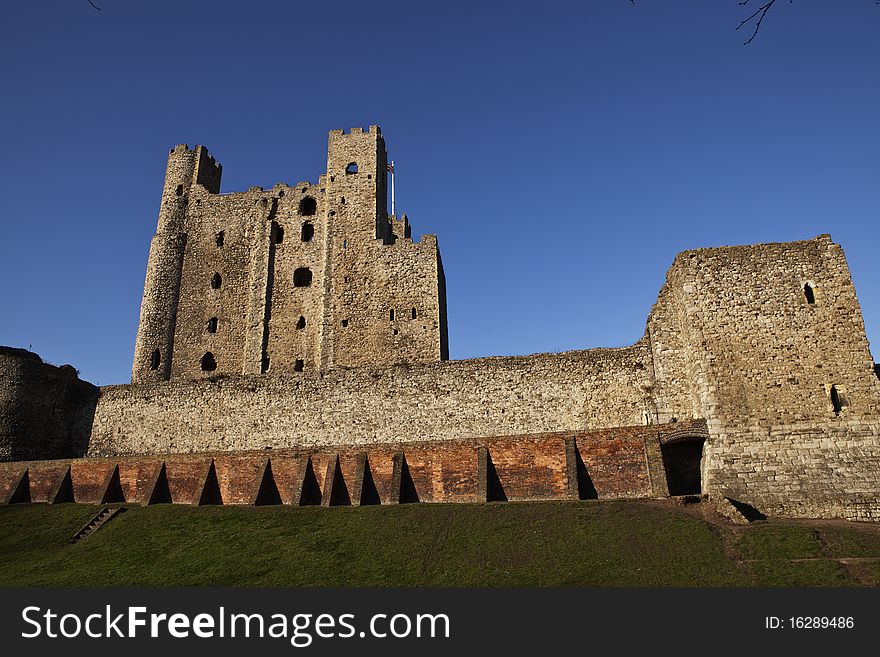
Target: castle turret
(155, 337)
(357, 166)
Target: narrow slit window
(301, 323)
(392, 314)
(155, 360)
(308, 232)
(179, 190)
(216, 281)
(212, 325)
(220, 238)
(413, 313)
(299, 365)
(836, 400)
(208, 362)
(809, 293)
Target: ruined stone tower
(300, 278)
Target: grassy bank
(625, 543)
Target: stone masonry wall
(372, 405)
(752, 339)
(45, 411)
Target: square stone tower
(300, 278)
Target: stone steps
(104, 516)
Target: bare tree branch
(94, 5)
(762, 10)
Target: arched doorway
(682, 459)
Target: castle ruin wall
(373, 405)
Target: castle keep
(293, 279)
(292, 349)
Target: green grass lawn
(625, 543)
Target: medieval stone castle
(292, 348)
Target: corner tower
(154, 344)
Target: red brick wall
(619, 464)
(616, 461)
(530, 468)
(44, 479)
(185, 473)
(136, 477)
(89, 477)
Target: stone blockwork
(45, 411)
(610, 464)
(374, 405)
(767, 343)
(298, 278)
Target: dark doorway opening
(681, 460)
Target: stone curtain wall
(778, 375)
(737, 340)
(368, 406)
(45, 411)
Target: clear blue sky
(563, 152)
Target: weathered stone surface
(300, 278)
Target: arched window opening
(413, 313)
(179, 190)
(308, 206)
(301, 323)
(220, 238)
(155, 360)
(277, 234)
(212, 325)
(298, 365)
(302, 277)
(264, 364)
(351, 168)
(392, 314)
(208, 362)
(808, 292)
(308, 232)
(216, 281)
